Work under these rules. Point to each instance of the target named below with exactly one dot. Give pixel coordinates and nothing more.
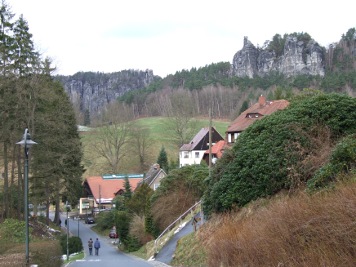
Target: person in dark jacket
(97, 246)
(90, 246)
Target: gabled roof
(256, 112)
(196, 140)
(217, 149)
(106, 189)
(201, 139)
(152, 173)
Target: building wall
(190, 157)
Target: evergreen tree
(87, 117)
(137, 203)
(25, 57)
(128, 192)
(244, 106)
(57, 169)
(163, 160)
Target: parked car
(89, 220)
(113, 234)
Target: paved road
(166, 253)
(109, 255)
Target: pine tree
(128, 192)
(163, 160)
(26, 59)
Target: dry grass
(301, 230)
(137, 229)
(179, 201)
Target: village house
(99, 191)
(249, 116)
(192, 153)
(245, 119)
(153, 177)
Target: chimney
(262, 100)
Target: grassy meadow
(159, 136)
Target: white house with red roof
(193, 152)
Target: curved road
(166, 253)
(109, 255)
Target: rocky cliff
(93, 91)
(298, 58)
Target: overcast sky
(168, 35)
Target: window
(196, 155)
(186, 154)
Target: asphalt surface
(166, 254)
(109, 255)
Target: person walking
(90, 246)
(97, 246)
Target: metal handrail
(173, 223)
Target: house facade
(255, 112)
(193, 152)
(153, 177)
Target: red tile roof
(108, 187)
(217, 149)
(256, 112)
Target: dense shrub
(279, 151)
(13, 230)
(343, 160)
(74, 244)
(105, 220)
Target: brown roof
(107, 188)
(256, 112)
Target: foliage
(162, 160)
(13, 230)
(275, 153)
(138, 202)
(181, 188)
(150, 226)
(74, 244)
(127, 192)
(244, 107)
(123, 220)
(105, 220)
(343, 161)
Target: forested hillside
(213, 86)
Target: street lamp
(26, 142)
(67, 220)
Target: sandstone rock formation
(297, 58)
(93, 91)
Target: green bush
(74, 244)
(131, 243)
(269, 153)
(13, 230)
(343, 160)
(105, 220)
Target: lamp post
(26, 142)
(67, 220)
